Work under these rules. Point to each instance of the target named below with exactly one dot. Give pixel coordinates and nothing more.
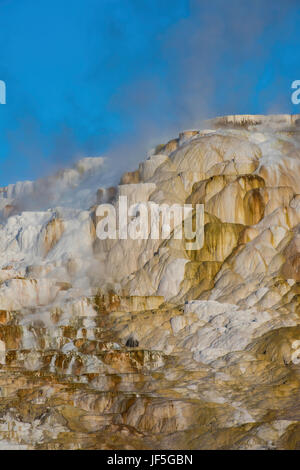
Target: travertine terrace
(215, 332)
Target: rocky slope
(138, 344)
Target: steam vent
(141, 344)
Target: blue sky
(92, 77)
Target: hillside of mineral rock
(141, 344)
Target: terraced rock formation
(142, 344)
